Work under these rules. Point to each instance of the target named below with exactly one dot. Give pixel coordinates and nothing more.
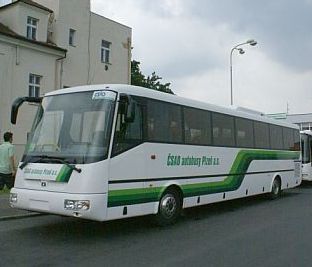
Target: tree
(152, 81)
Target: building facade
(51, 44)
(304, 121)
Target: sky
(188, 44)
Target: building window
(72, 34)
(32, 25)
(34, 85)
(105, 51)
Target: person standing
(7, 162)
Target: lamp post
(241, 51)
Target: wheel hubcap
(275, 188)
(168, 206)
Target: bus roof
(308, 132)
(154, 94)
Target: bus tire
(276, 189)
(170, 206)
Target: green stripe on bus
(64, 174)
(230, 183)
(240, 166)
(133, 196)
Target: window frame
(32, 28)
(72, 37)
(106, 51)
(34, 85)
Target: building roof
(4, 30)
(28, 2)
(299, 118)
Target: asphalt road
(248, 232)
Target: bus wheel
(276, 189)
(170, 206)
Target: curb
(20, 216)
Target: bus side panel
(188, 162)
(126, 194)
(140, 176)
(307, 172)
(208, 182)
(197, 170)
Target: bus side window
(174, 131)
(127, 135)
(151, 128)
(262, 135)
(223, 130)
(197, 126)
(276, 137)
(164, 122)
(288, 138)
(296, 146)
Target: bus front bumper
(86, 206)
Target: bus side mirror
(18, 102)
(129, 108)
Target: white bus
(306, 149)
(106, 152)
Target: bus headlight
(13, 198)
(76, 204)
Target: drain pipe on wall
(61, 72)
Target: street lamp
(241, 51)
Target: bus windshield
(75, 127)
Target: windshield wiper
(34, 159)
(28, 160)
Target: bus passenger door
(127, 165)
